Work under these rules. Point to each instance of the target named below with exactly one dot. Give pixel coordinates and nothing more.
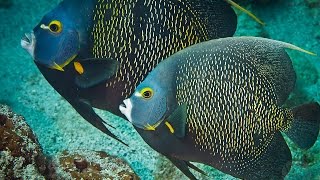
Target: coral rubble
(85, 164)
(20, 153)
(21, 157)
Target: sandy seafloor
(59, 127)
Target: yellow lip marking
(245, 11)
(169, 127)
(57, 67)
(78, 67)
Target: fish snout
(126, 109)
(28, 42)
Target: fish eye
(55, 26)
(146, 93)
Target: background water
(59, 127)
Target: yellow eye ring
(146, 93)
(55, 26)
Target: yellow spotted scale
(140, 33)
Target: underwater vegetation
(58, 127)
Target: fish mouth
(126, 109)
(28, 42)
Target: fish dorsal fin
(177, 120)
(94, 71)
(216, 17)
(237, 6)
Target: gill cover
(148, 106)
(57, 39)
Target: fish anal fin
(178, 120)
(182, 166)
(274, 163)
(87, 112)
(95, 71)
(196, 168)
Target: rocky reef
(21, 157)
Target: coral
(20, 152)
(85, 164)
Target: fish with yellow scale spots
(220, 103)
(95, 52)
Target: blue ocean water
(59, 127)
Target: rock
(21, 157)
(20, 153)
(85, 164)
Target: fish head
(146, 107)
(54, 42)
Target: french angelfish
(95, 52)
(220, 103)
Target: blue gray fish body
(224, 103)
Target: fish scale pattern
(231, 107)
(140, 33)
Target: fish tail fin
(237, 6)
(217, 15)
(304, 128)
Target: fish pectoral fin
(94, 71)
(86, 111)
(195, 168)
(177, 120)
(237, 6)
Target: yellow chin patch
(57, 67)
(148, 127)
(60, 67)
